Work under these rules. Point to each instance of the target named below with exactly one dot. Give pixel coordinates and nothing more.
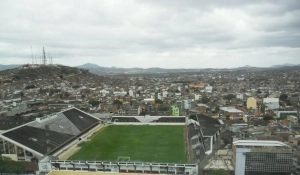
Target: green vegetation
(217, 172)
(30, 86)
(268, 117)
(94, 102)
(158, 101)
(283, 97)
(205, 99)
(229, 97)
(117, 102)
(140, 143)
(9, 166)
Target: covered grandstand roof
(48, 134)
(208, 125)
(9, 124)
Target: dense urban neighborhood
(224, 111)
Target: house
(231, 112)
(197, 85)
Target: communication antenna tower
(32, 56)
(44, 57)
(49, 58)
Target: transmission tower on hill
(44, 57)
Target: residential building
(251, 103)
(175, 111)
(261, 157)
(231, 112)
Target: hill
(284, 65)
(26, 73)
(9, 66)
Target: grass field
(140, 143)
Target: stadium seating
(38, 139)
(48, 134)
(170, 120)
(81, 120)
(124, 119)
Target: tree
(30, 86)
(283, 97)
(288, 102)
(9, 166)
(212, 83)
(205, 99)
(193, 116)
(268, 117)
(229, 97)
(94, 102)
(117, 102)
(259, 91)
(158, 101)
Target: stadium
(136, 144)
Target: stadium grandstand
(195, 141)
(210, 130)
(47, 138)
(49, 135)
(155, 120)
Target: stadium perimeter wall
(124, 167)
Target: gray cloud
(170, 34)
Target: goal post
(123, 159)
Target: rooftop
(260, 143)
(208, 125)
(231, 109)
(47, 134)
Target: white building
(104, 92)
(271, 103)
(252, 157)
(208, 89)
(165, 93)
(130, 92)
(197, 97)
(240, 96)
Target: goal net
(123, 159)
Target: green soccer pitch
(162, 144)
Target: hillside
(50, 73)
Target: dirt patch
(69, 153)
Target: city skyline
(168, 34)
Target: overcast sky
(150, 33)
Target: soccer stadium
(77, 141)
